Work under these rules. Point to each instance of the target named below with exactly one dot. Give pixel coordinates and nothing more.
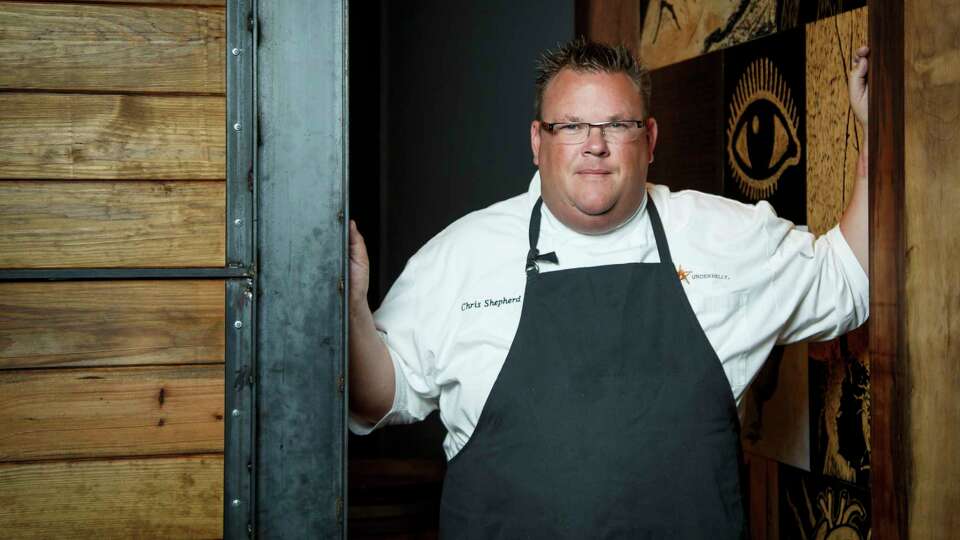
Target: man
(587, 381)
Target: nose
(596, 144)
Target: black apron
(611, 417)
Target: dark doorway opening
(440, 103)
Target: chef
(587, 342)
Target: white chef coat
(754, 280)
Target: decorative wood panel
(840, 369)
(764, 139)
(112, 224)
(834, 137)
(75, 136)
(821, 507)
(840, 408)
(678, 30)
(112, 48)
(931, 273)
(135, 498)
(687, 102)
(96, 323)
(68, 413)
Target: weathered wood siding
(119, 498)
(112, 155)
(103, 323)
(931, 274)
(47, 224)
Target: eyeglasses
(616, 131)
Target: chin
(593, 224)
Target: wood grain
(71, 413)
(688, 104)
(112, 224)
(215, 3)
(615, 22)
(102, 323)
(931, 273)
(834, 137)
(677, 31)
(112, 48)
(136, 498)
(75, 136)
(764, 497)
(889, 376)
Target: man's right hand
(372, 380)
(359, 267)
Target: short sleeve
(818, 280)
(404, 328)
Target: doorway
(441, 97)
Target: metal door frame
(285, 438)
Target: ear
(535, 141)
(651, 136)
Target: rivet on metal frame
(236, 51)
(235, 412)
(236, 127)
(238, 222)
(235, 502)
(238, 324)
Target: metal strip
(240, 502)
(239, 452)
(301, 234)
(63, 274)
(241, 131)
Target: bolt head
(238, 222)
(235, 51)
(235, 502)
(238, 324)
(236, 127)
(235, 412)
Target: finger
(355, 236)
(860, 62)
(358, 248)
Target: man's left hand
(858, 84)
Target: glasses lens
(613, 132)
(571, 133)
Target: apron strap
(662, 247)
(534, 256)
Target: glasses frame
(549, 127)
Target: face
(595, 186)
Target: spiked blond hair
(587, 56)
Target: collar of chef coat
(631, 241)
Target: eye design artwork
(762, 139)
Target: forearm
(372, 380)
(854, 224)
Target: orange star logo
(683, 274)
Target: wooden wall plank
(112, 48)
(834, 137)
(214, 3)
(76, 136)
(72, 413)
(112, 224)
(616, 22)
(931, 273)
(102, 323)
(136, 498)
(889, 382)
